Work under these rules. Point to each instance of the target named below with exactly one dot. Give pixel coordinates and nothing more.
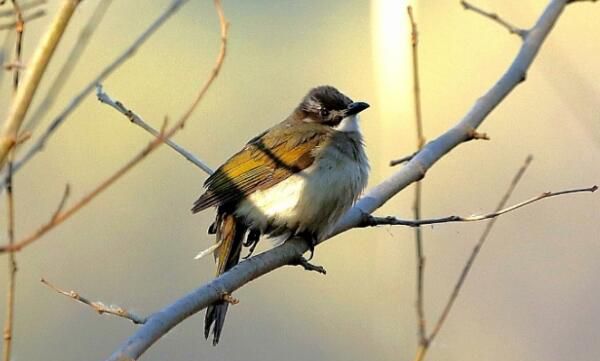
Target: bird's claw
(303, 262)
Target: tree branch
(495, 17)
(372, 221)
(420, 256)
(98, 306)
(24, 7)
(477, 248)
(103, 97)
(12, 261)
(164, 320)
(26, 18)
(39, 61)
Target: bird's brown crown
(325, 104)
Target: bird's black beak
(356, 108)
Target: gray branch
(164, 320)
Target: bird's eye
(324, 113)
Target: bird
(295, 179)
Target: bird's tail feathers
(230, 232)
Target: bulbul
(295, 179)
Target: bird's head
(328, 106)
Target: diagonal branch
(98, 306)
(477, 248)
(164, 320)
(103, 97)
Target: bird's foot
(303, 262)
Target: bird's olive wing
(264, 162)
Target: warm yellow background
(534, 290)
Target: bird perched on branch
(295, 179)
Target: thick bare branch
(161, 322)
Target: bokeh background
(533, 293)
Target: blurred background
(533, 292)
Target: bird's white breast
(311, 200)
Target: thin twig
(372, 221)
(36, 69)
(420, 256)
(495, 17)
(422, 350)
(103, 97)
(12, 269)
(98, 306)
(51, 223)
(109, 69)
(4, 52)
(69, 65)
(19, 28)
(477, 248)
(62, 203)
(25, 19)
(12, 262)
(66, 214)
(24, 7)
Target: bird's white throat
(349, 124)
